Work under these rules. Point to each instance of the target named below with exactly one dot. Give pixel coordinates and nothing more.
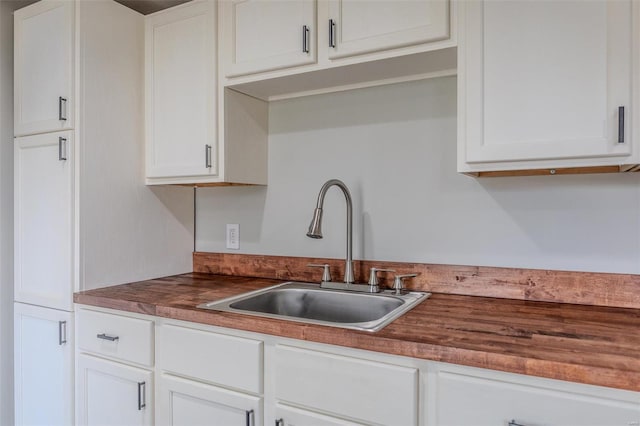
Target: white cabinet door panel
(533, 95)
(374, 25)
(266, 35)
(349, 387)
(184, 402)
(43, 350)
(221, 359)
(114, 394)
(43, 53)
(181, 117)
(43, 220)
(469, 400)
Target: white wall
(395, 147)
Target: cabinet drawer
(116, 336)
(216, 358)
(493, 398)
(361, 389)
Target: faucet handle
(326, 272)
(373, 275)
(398, 283)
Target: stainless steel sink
(307, 302)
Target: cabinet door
(184, 402)
(358, 26)
(464, 398)
(290, 416)
(260, 35)
(43, 54)
(113, 394)
(43, 350)
(527, 94)
(181, 78)
(43, 206)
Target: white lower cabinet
(346, 386)
(183, 402)
(476, 397)
(43, 347)
(111, 393)
(114, 372)
(209, 375)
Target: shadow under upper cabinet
(147, 7)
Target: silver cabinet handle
(512, 422)
(279, 422)
(62, 149)
(305, 39)
(332, 33)
(620, 124)
(104, 336)
(62, 332)
(251, 419)
(207, 156)
(61, 101)
(142, 395)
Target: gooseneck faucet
(315, 228)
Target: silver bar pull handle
(279, 422)
(332, 33)
(62, 149)
(62, 332)
(104, 336)
(62, 112)
(620, 124)
(512, 422)
(207, 155)
(142, 395)
(305, 39)
(251, 420)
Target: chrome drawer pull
(142, 395)
(104, 336)
(62, 100)
(62, 332)
(251, 420)
(621, 124)
(514, 423)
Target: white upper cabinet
(44, 67)
(43, 203)
(546, 84)
(357, 26)
(266, 35)
(195, 133)
(274, 50)
(181, 92)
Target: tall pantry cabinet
(83, 215)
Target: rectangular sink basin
(307, 302)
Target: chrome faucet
(315, 228)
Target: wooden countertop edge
(592, 375)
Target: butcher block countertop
(586, 344)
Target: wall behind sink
(395, 147)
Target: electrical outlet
(233, 236)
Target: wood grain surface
(585, 288)
(586, 344)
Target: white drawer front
(216, 358)
(365, 390)
(120, 337)
(469, 400)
